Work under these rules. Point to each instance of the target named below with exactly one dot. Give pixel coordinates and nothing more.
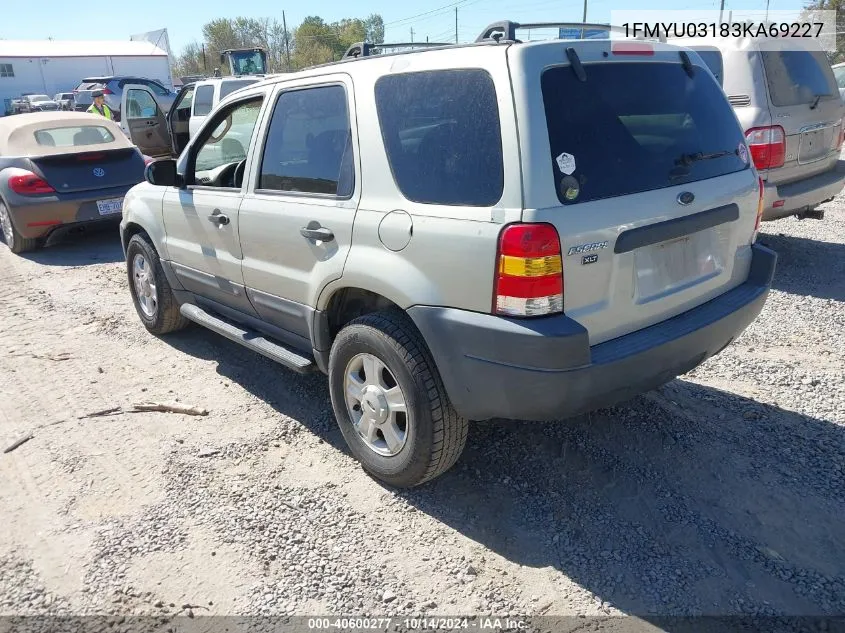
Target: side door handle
(319, 233)
(218, 218)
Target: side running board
(249, 339)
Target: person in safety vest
(99, 106)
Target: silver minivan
(788, 103)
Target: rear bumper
(545, 369)
(804, 195)
(38, 216)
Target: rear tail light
(529, 271)
(28, 184)
(760, 204)
(107, 91)
(767, 145)
(148, 160)
(91, 156)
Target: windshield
(35, 98)
(633, 127)
(248, 63)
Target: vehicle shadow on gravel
(687, 500)
(93, 245)
(808, 267)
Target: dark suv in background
(112, 88)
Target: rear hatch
(804, 100)
(641, 166)
(86, 165)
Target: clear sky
(64, 19)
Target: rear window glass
(73, 136)
(203, 100)
(796, 77)
(228, 87)
(713, 59)
(839, 73)
(635, 127)
(442, 135)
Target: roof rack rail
(366, 49)
(506, 29)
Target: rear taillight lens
(632, 48)
(529, 271)
(767, 145)
(91, 156)
(107, 91)
(28, 184)
(148, 160)
(760, 205)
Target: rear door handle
(319, 233)
(218, 218)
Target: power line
(419, 15)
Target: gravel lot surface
(721, 493)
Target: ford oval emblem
(99, 172)
(685, 198)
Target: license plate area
(814, 145)
(111, 206)
(668, 267)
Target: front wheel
(154, 300)
(390, 402)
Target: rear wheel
(151, 293)
(13, 239)
(390, 402)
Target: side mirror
(162, 173)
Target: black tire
(165, 316)
(16, 243)
(436, 434)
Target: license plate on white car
(110, 207)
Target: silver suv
(505, 229)
(788, 102)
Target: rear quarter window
(637, 126)
(798, 77)
(228, 87)
(442, 136)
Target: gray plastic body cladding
(546, 370)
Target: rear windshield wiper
(815, 102)
(689, 159)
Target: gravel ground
(721, 493)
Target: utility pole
(204, 63)
(456, 25)
(287, 45)
(412, 35)
(767, 11)
(584, 18)
(721, 11)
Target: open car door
(143, 121)
(179, 118)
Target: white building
(49, 66)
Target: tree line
(314, 41)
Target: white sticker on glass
(566, 163)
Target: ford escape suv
(504, 229)
(789, 105)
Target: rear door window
(203, 100)
(442, 135)
(798, 77)
(637, 126)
